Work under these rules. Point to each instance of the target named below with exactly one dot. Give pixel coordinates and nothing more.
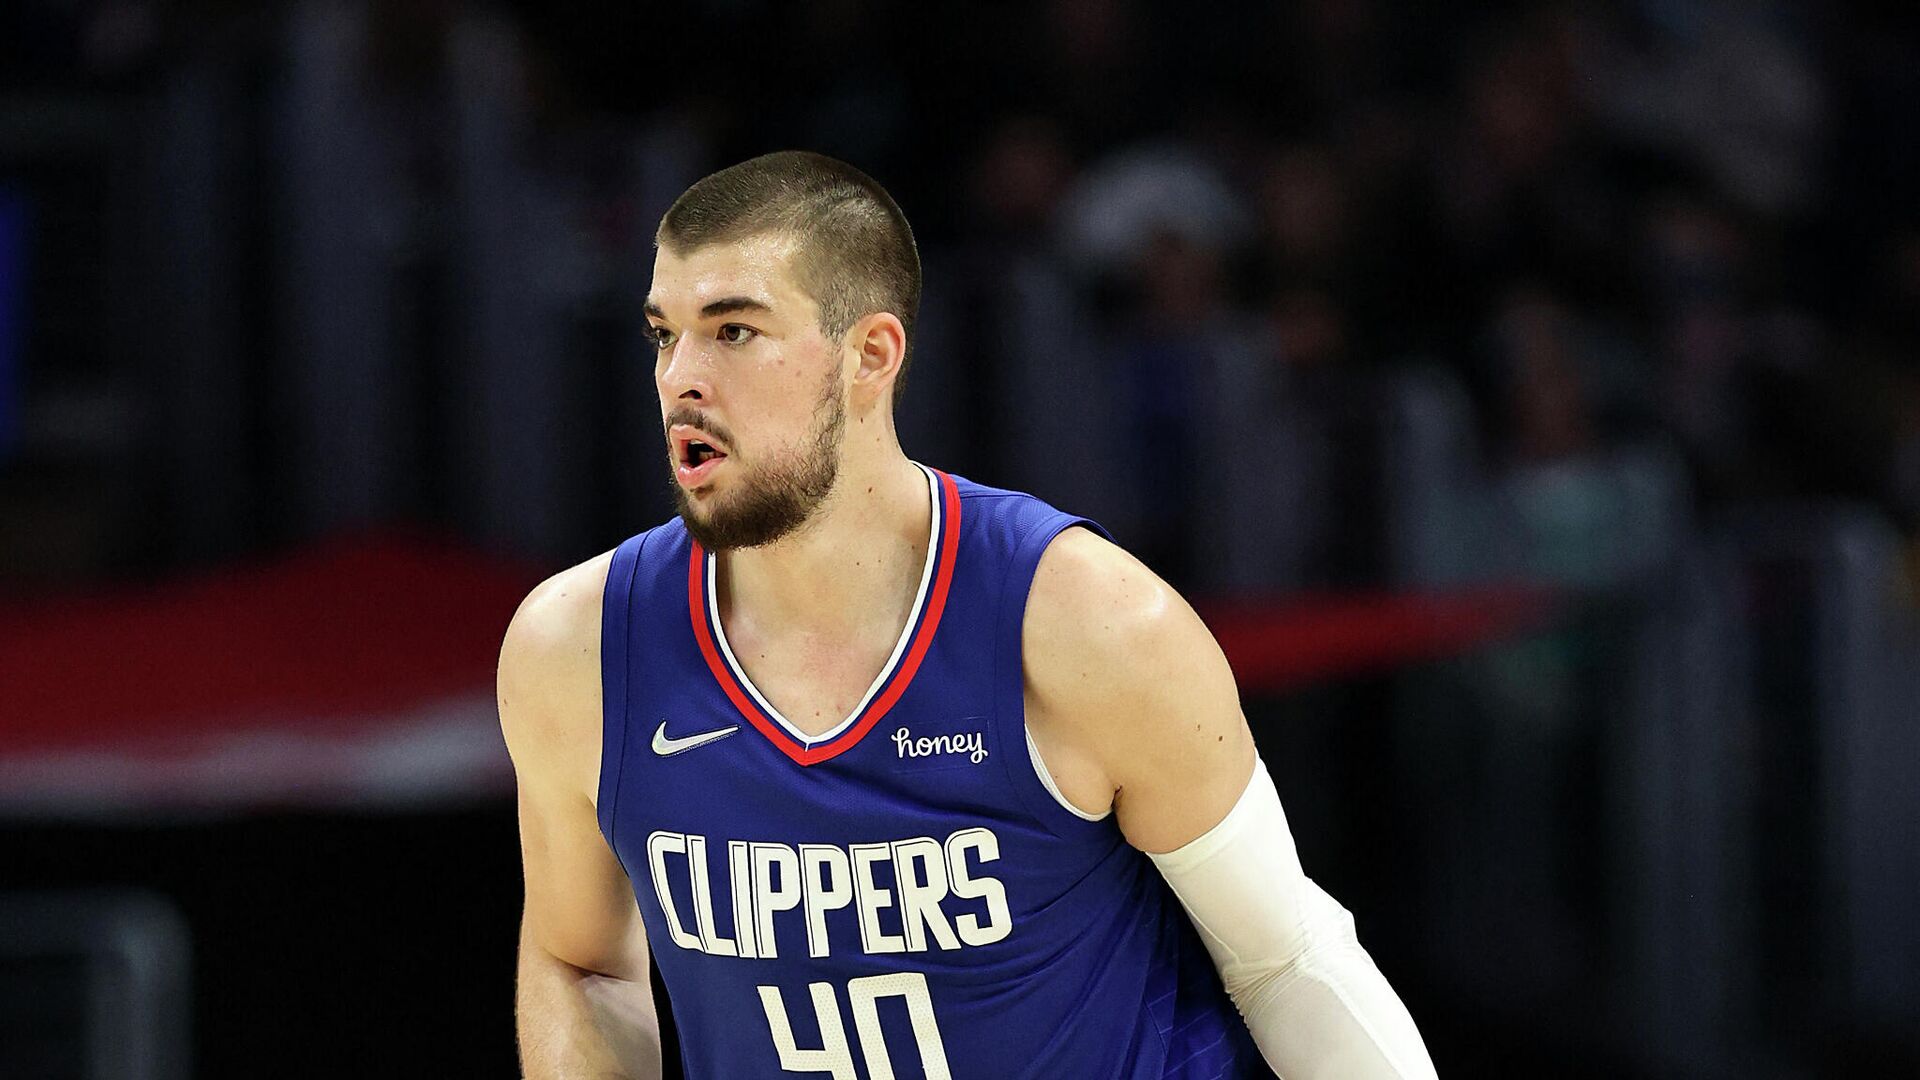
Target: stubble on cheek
(767, 500)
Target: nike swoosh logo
(667, 747)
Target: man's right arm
(582, 1003)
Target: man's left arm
(1132, 705)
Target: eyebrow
(726, 305)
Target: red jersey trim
(896, 684)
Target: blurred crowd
(1317, 296)
(1662, 247)
(1198, 272)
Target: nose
(684, 373)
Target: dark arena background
(1527, 393)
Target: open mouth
(696, 456)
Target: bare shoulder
(1098, 616)
(1128, 696)
(549, 677)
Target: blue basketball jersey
(902, 896)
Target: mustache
(688, 416)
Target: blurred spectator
(1535, 297)
(1252, 241)
(1164, 359)
(1727, 86)
(1587, 511)
(1124, 204)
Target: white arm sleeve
(1317, 1006)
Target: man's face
(750, 392)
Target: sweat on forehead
(726, 279)
(712, 309)
(763, 272)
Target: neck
(856, 560)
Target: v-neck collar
(943, 542)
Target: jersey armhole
(1046, 779)
(1028, 773)
(616, 617)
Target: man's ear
(881, 344)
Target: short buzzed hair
(855, 251)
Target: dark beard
(781, 496)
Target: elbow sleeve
(1287, 952)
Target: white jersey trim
(886, 670)
(1046, 781)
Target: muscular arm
(582, 1004)
(1133, 707)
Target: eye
(736, 334)
(662, 337)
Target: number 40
(835, 1056)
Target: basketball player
(910, 777)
